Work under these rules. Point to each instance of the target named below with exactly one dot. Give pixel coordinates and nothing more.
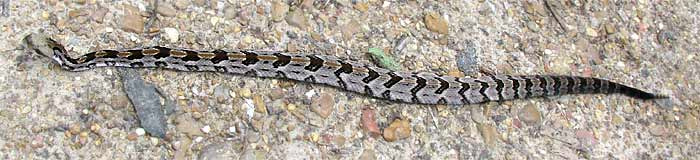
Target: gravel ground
(49, 113)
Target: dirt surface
(49, 113)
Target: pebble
(323, 105)
(369, 124)
(171, 34)
(530, 115)
(489, 133)
(361, 6)
(140, 131)
(220, 150)
(291, 107)
(166, 10)
(434, 22)
(477, 115)
(591, 32)
(397, 130)
(259, 103)
(586, 137)
(658, 130)
(206, 129)
(186, 124)
(245, 92)
(222, 93)
(467, 61)
(691, 123)
(368, 154)
(297, 19)
(132, 23)
(182, 4)
(349, 29)
(278, 11)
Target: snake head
(45, 46)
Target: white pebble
(232, 129)
(310, 94)
(206, 129)
(171, 34)
(249, 108)
(140, 131)
(198, 139)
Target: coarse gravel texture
(49, 113)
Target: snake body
(419, 88)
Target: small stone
(186, 124)
(297, 19)
(291, 107)
(658, 130)
(435, 23)
(586, 137)
(278, 11)
(361, 6)
(591, 32)
(99, 15)
(166, 10)
(171, 34)
(397, 130)
(140, 131)
(323, 105)
(691, 123)
(349, 29)
(200, 2)
(95, 127)
(616, 120)
(530, 115)
(222, 93)
(206, 129)
(132, 136)
(489, 133)
(455, 73)
(37, 142)
(76, 13)
(132, 23)
(79, 1)
(74, 129)
(533, 26)
(610, 28)
(182, 4)
(368, 154)
(245, 92)
(369, 124)
(477, 115)
(259, 103)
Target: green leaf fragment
(383, 60)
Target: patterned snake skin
(420, 88)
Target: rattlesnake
(419, 88)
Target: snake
(354, 76)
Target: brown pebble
(166, 10)
(297, 19)
(434, 22)
(259, 104)
(323, 105)
(132, 136)
(397, 130)
(182, 4)
(361, 6)
(369, 123)
(279, 9)
(530, 115)
(132, 23)
(489, 133)
(74, 129)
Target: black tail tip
(639, 94)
